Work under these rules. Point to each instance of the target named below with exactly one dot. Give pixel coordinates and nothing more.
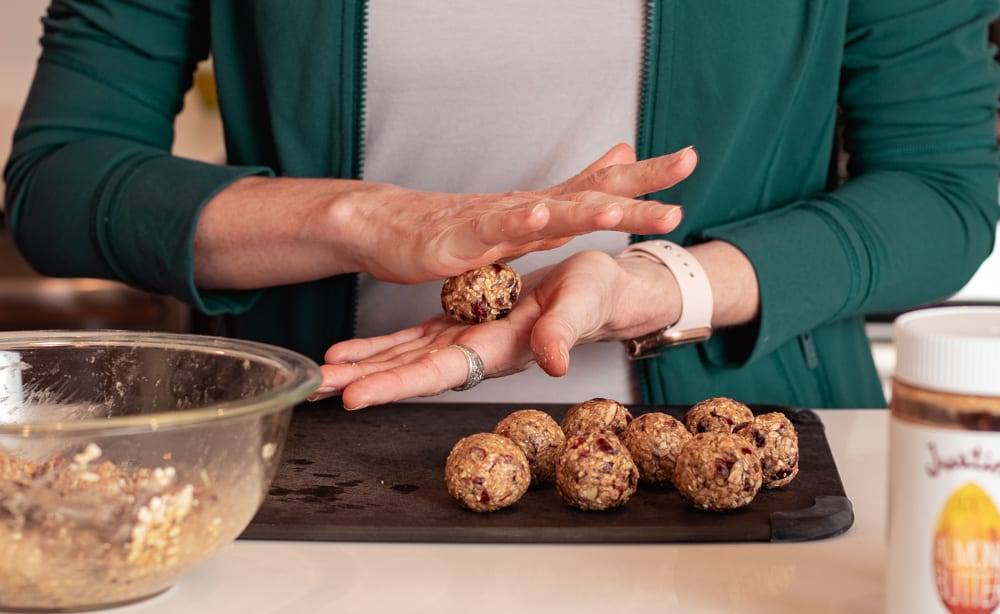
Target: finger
(437, 329)
(338, 377)
(529, 223)
(644, 177)
(500, 335)
(503, 346)
(498, 226)
(354, 350)
(622, 153)
(432, 373)
(476, 237)
(539, 245)
(644, 217)
(437, 333)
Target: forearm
(735, 292)
(262, 232)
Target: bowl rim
(304, 379)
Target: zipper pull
(809, 350)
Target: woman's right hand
(263, 232)
(406, 236)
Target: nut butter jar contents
(944, 471)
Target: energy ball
(483, 294)
(718, 472)
(596, 415)
(538, 436)
(717, 415)
(777, 445)
(655, 440)
(595, 472)
(486, 472)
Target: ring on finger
(477, 372)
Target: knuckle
(595, 259)
(595, 181)
(430, 366)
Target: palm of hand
(561, 305)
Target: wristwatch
(695, 323)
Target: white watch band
(695, 323)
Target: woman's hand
(406, 236)
(588, 297)
(263, 231)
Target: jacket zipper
(643, 129)
(358, 150)
(644, 126)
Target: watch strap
(695, 322)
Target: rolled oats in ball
(718, 472)
(777, 445)
(538, 436)
(596, 415)
(483, 294)
(595, 472)
(486, 472)
(654, 441)
(717, 415)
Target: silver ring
(477, 372)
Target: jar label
(944, 523)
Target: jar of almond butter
(944, 470)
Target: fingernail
(321, 392)
(538, 209)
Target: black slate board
(377, 475)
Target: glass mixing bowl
(127, 458)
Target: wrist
(342, 225)
(648, 299)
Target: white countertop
(843, 574)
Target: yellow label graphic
(967, 552)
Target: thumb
(551, 338)
(622, 153)
(558, 329)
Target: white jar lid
(950, 349)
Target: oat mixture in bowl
(128, 458)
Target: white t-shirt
(497, 96)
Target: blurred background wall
(30, 301)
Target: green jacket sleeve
(919, 91)
(91, 188)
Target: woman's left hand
(588, 297)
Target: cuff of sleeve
(801, 256)
(148, 226)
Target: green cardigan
(91, 189)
